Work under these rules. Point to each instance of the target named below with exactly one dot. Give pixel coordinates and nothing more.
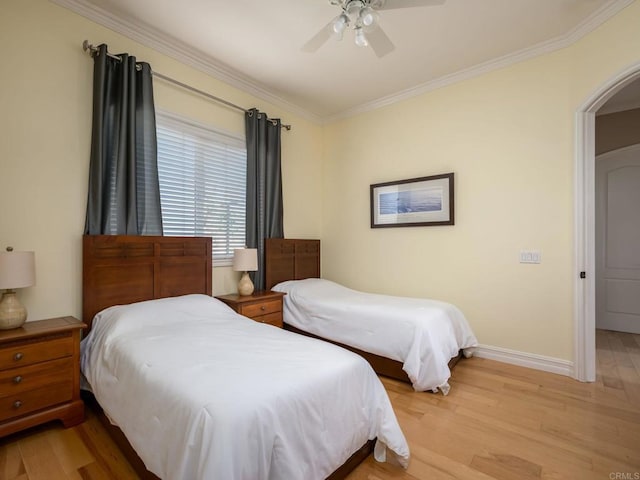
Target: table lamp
(17, 270)
(245, 260)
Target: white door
(618, 240)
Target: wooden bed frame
(119, 269)
(297, 259)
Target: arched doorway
(584, 357)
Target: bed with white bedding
(424, 335)
(203, 393)
(123, 270)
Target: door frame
(584, 356)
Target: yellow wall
(45, 133)
(509, 138)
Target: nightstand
(40, 374)
(262, 306)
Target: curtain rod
(87, 47)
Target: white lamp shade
(17, 269)
(245, 260)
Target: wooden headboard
(290, 259)
(119, 269)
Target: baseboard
(524, 359)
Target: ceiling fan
(362, 16)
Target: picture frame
(415, 202)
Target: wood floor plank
(11, 465)
(495, 440)
(628, 340)
(615, 344)
(621, 455)
(635, 360)
(619, 350)
(503, 415)
(626, 413)
(93, 471)
(70, 449)
(428, 459)
(107, 455)
(506, 467)
(40, 460)
(630, 383)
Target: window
(202, 174)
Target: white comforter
(204, 393)
(422, 334)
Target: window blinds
(202, 175)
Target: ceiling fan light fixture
(361, 39)
(340, 23)
(362, 16)
(368, 16)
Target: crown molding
(591, 23)
(181, 52)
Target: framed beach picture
(416, 202)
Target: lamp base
(12, 313)
(245, 286)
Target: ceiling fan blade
(319, 38)
(379, 42)
(393, 4)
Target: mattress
(201, 392)
(422, 334)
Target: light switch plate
(530, 256)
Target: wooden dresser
(263, 306)
(40, 374)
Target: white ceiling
(256, 43)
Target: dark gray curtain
(124, 196)
(264, 185)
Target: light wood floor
(498, 422)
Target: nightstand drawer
(27, 402)
(27, 353)
(262, 306)
(259, 309)
(18, 380)
(274, 319)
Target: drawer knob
(17, 379)
(17, 404)
(263, 308)
(18, 356)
